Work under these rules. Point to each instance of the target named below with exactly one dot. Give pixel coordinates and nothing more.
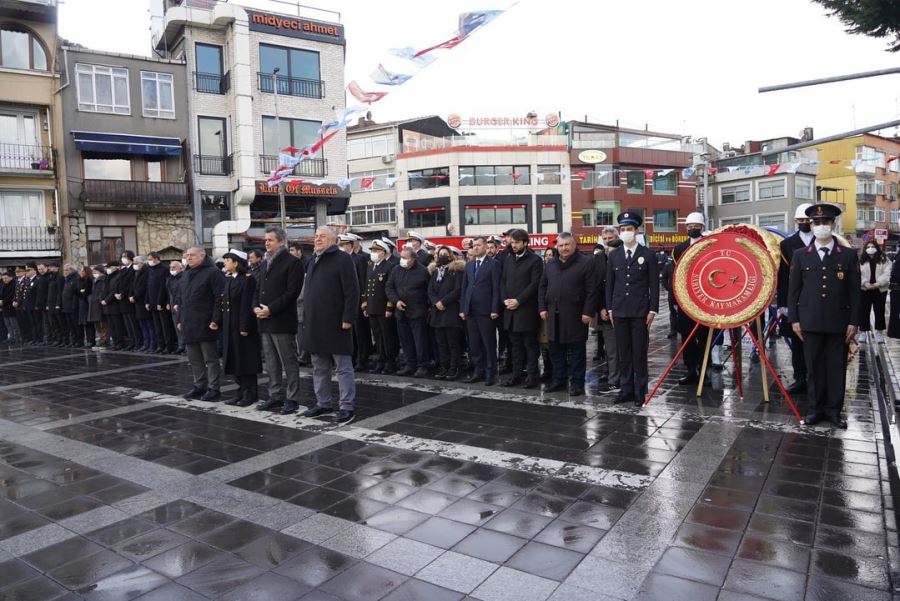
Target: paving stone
(507, 584)
(405, 556)
(457, 572)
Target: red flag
(835, 162)
(891, 158)
(582, 174)
(367, 97)
(451, 43)
(315, 147)
(648, 173)
(441, 176)
(516, 177)
(366, 182)
(713, 170)
(773, 169)
(290, 150)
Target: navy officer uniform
(632, 294)
(823, 308)
(377, 306)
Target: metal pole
(282, 208)
(841, 136)
(815, 82)
(706, 195)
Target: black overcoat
(97, 293)
(69, 296)
(139, 292)
(447, 291)
(241, 355)
(520, 279)
(200, 288)
(411, 286)
(568, 290)
(330, 298)
(280, 282)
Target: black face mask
(804, 227)
(443, 260)
(695, 233)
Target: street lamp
(281, 200)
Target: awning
(126, 143)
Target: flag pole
(282, 209)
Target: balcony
(36, 160)
(36, 10)
(308, 168)
(28, 239)
(864, 225)
(213, 165)
(212, 83)
(116, 194)
(865, 198)
(291, 86)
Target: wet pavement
(113, 487)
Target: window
(22, 208)
(426, 217)
(771, 189)
(214, 207)
(212, 136)
(879, 186)
(865, 186)
(549, 174)
(776, 220)
(21, 50)
(495, 175)
(665, 220)
(879, 213)
(370, 214)
(383, 179)
(734, 221)
(731, 194)
(429, 178)
(587, 217)
(494, 214)
(101, 168)
(895, 164)
(803, 188)
(891, 192)
(158, 95)
(19, 143)
(292, 132)
(107, 243)
(374, 146)
(102, 89)
(605, 213)
(548, 213)
(867, 154)
(895, 216)
(209, 69)
(298, 71)
(635, 182)
(665, 184)
(605, 176)
(154, 170)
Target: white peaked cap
(800, 213)
(695, 217)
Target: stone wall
(75, 238)
(159, 230)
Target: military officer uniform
(789, 246)
(375, 302)
(823, 297)
(632, 293)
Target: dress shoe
(838, 422)
(389, 368)
(377, 369)
(344, 416)
(812, 419)
(472, 378)
(422, 372)
(638, 402)
(688, 379)
(514, 381)
(268, 405)
(623, 399)
(451, 374)
(490, 380)
(234, 402)
(576, 391)
(406, 371)
(555, 387)
(316, 411)
(530, 382)
(211, 395)
(245, 402)
(440, 374)
(289, 407)
(194, 394)
(798, 387)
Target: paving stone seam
(86, 375)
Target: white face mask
(378, 256)
(404, 263)
(184, 262)
(96, 275)
(136, 267)
(871, 251)
(109, 271)
(126, 261)
(627, 237)
(173, 273)
(822, 232)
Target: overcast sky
(690, 67)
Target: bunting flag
(665, 172)
(344, 182)
(732, 169)
(648, 173)
(891, 158)
(279, 175)
(793, 167)
(290, 150)
(288, 160)
(688, 172)
(516, 177)
(409, 54)
(367, 97)
(315, 147)
(386, 78)
(366, 182)
(446, 45)
(773, 169)
(713, 170)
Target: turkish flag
(315, 147)
(713, 170)
(290, 150)
(773, 169)
(366, 182)
(648, 173)
(367, 97)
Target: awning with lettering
(126, 143)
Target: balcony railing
(20, 156)
(212, 83)
(291, 86)
(27, 238)
(308, 168)
(115, 193)
(864, 224)
(212, 165)
(865, 198)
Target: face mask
(173, 273)
(627, 237)
(377, 256)
(871, 251)
(443, 260)
(96, 275)
(694, 233)
(805, 228)
(136, 267)
(822, 232)
(126, 261)
(404, 263)
(184, 262)
(109, 271)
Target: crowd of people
(492, 308)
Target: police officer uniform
(823, 298)
(375, 303)
(693, 351)
(632, 293)
(789, 245)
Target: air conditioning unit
(388, 159)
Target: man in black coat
(7, 308)
(23, 283)
(479, 307)
(519, 281)
(171, 301)
(632, 301)
(53, 309)
(823, 307)
(695, 347)
(330, 306)
(156, 277)
(379, 309)
(71, 334)
(203, 283)
(125, 287)
(38, 302)
(802, 238)
(112, 306)
(407, 289)
(362, 333)
(276, 308)
(567, 300)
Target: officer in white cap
(417, 240)
(693, 351)
(802, 238)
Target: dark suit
(632, 292)
(520, 280)
(377, 304)
(23, 315)
(823, 297)
(789, 246)
(38, 303)
(693, 351)
(481, 297)
(410, 285)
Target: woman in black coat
(83, 298)
(138, 300)
(96, 311)
(234, 318)
(444, 289)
